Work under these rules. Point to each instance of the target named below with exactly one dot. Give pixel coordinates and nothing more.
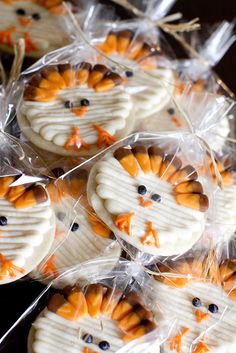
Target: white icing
(53, 122)
(46, 33)
(163, 121)
(178, 227)
(148, 93)
(177, 303)
(225, 208)
(25, 233)
(80, 245)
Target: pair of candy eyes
(35, 16)
(61, 216)
(103, 345)
(213, 308)
(142, 190)
(83, 103)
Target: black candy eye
(68, 104)
(196, 302)
(213, 308)
(74, 227)
(3, 221)
(142, 190)
(156, 198)
(84, 102)
(36, 16)
(171, 111)
(104, 345)
(87, 338)
(20, 12)
(129, 73)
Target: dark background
(16, 297)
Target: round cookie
(79, 236)
(75, 110)
(205, 318)
(39, 22)
(149, 199)
(96, 318)
(145, 82)
(27, 227)
(170, 119)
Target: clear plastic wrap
(138, 44)
(210, 52)
(210, 115)
(27, 220)
(144, 176)
(80, 235)
(41, 23)
(96, 311)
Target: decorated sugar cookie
(85, 237)
(149, 199)
(96, 318)
(148, 93)
(197, 103)
(205, 318)
(75, 110)
(39, 22)
(27, 228)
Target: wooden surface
(16, 297)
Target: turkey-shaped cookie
(27, 228)
(96, 319)
(39, 22)
(75, 110)
(88, 236)
(205, 318)
(148, 93)
(149, 199)
(204, 109)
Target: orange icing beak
(79, 112)
(24, 21)
(201, 316)
(144, 203)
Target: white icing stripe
(226, 207)
(25, 230)
(177, 303)
(178, 227)
(47, 33)
(54, 122)
(148, 93)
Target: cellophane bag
(42, 24)
(208, 114)
(95, 310)
(137, 44)
(80, 234)
(137, 188)
(74, 103)
(27, 219)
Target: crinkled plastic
(144, 176)
(208, 114)
(96, 308)
(41, 23)
(27, 221)
(80, 235)
(75, 102)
